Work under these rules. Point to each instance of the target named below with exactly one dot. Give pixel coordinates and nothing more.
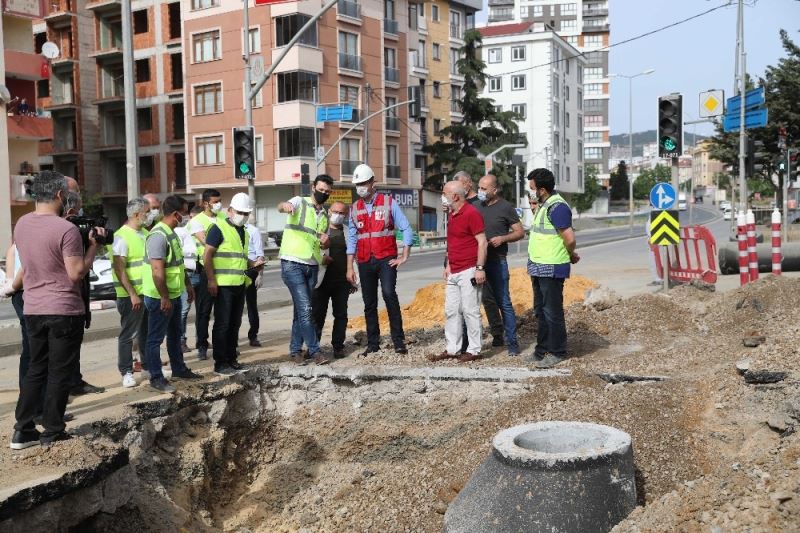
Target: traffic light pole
(248, 102)
(742, 134)
(129, 90)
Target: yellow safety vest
(545, 245)
(230, 260)
(133, 262)
(301, 233)
(207, 222)
(173, 265)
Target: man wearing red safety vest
(371, 242)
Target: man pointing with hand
(372, 243)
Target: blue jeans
(497, 276)
(370, 273)
(162, 325)
(300, 280)
(194, 279)
(548, 306)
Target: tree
(483, 129)
(619, 182)
(591, 189)
(647, 180)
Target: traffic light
(670, 125)
(415, 106)
(755, 158)
(244, 153)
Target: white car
(724, 204)
(727, 213)
(101, 283)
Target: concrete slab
(353, 373)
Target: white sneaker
(145, 375)
(128, 380)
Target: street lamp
(630, 134)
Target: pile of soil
(427, 308)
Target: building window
(498, 108)
(593, 137)
(580, 177)
(567, 61)
(258, 101)
(208, 99)
(569, 25)
(580, 125)
(296, 142)
(259, 147)
(594, 73)
(593, 105)
(495, 85)
(209, 150)
(296, 86)
(556, 143)
(566, 119)
(177, 121)
(580, 151)
(593, 153)
(521, 110)
(175, 20)
(350, 155)
(593, 89)
(568, 171)
(435, 13)
(593, 121)
(255, 40)
(555, 85)
(495, 55)
(146, 166)
(140, 21)
(517, 53)
(580, 99)
(566, 92)
(348, 51)
(556, 57)
(436, 52)
(437, 93)
(204, 4)
(43, 88)
(206, 46)
(144, 119)
(537, 11)
(569, 9)
(557, 171)
(592, 41)
(142, 70)
(518, 82)
(349, 94)
(556, 114)
(523, 12)
(286, 28)
(572, 39)
(437, 126)
(176, 70)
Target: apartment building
(24, 127)
(85, 97)
(704, 168)
(584, 24)
(356, 53)
(535, 73)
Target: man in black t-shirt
(502, 227)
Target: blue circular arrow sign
(663, 196)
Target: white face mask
(362, 191)
(336, 219)
(216, 208)
(445, 201)
(152, 216)
(238, 220)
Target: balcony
(102, 6)
(107, 53)
(391, 27)
(350, 62)
(455, 106)
(500, 17)
(392, 75)
(602, 12)
(588, 27)
(457, 32)
(300, 57)
(59, 11)
(392, 172)
(392, 123)
(23, 65)
(29, 128)
(501, 3)
(348, 167)
(345, 8)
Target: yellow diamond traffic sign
(712, 103)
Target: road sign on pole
(664, 228)
(662, 196)
(757, 118)
(712, 103)
(752, 98)
(334, 113)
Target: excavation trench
(275, 450)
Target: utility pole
(367, 95)
(742, 135)
(129, 92)
(248, 101)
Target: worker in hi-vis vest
(304, 235)
(227, 268)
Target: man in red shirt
(464, 274)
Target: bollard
(751, 245)
(741, 237)
(777, 256)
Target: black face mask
(321, 197)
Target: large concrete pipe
(728, 255)
(548, 476)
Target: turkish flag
(44, 70)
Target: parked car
(724, 204)
(101, 284)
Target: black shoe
(238, 367)
(186, 374)
(25, 439)
(339, 354)
(369, 350)
(39, 420)
(255, 342)
(549, 361)
(498, 341)
(401, 350)
(85, 388)
(202, 354)
(162, 385)
(58, 437)
(225, 371)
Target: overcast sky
(689, 58)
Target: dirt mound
(427, 308)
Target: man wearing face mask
(127, 262)
(371, 242)
(334, 287)
(226, 265)
(304, 235)
(201, 223)
(163, 282)
(551, 251)
(189, 249)
(155, 211)
(502, 227)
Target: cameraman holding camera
(51, 250)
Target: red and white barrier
(777, 256)
(741, 237)
(694, 258)
(752, 251)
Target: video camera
(86, 225)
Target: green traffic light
(244, 168)
(668, 144)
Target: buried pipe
(728, 256)
(548, 476)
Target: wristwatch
(479, 267)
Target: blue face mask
(482, 196)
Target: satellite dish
(50, 50)
(5, 95)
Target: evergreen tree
(619, 182)
(482, 130)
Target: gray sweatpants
(130, 321)
(462, 301)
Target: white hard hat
(362, 174)
(241, 202)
